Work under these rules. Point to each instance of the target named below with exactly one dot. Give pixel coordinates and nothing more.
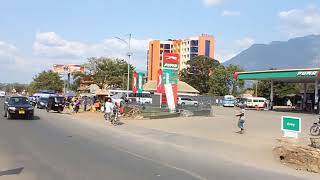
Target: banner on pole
(134, 82)
(160, 88)
(140, 82)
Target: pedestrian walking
(77, 106)
(241, 119)
(85, 103)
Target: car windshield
(43, 99)
(59, 99)
(18, 101)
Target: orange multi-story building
(186, 48)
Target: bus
(140, 98)
(228, 101)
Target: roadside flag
(134, 82)
(159, 81)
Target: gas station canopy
(285, 75)
(311, 75)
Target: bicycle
(315, 129)
(115, 117)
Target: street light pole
(129, 54)
(129, 57)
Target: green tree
(77, 76)
(234, 84)
(198, 72)
(222, 81)
(110, 72)
(19, 87)
(218, 81)
(281, 89)
(46, 80)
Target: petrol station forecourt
(304, 76)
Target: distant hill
(302, 52)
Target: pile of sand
(299, 156)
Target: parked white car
(187, 101)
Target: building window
(193, 55)
(194, 43)
(161, 45)
(207, 48)
(194, 50)
(167, 46)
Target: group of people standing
(75, 104)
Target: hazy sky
(36, 34)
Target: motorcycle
(315, 129)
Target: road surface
(56, 147)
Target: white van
(2, 94)
(255, 102)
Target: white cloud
(53, 47)
(50, 48)
(300, 22)
(211, 2)
(235, 49)
(244, 43)
(50, 44)
(230, 13)
(14, 67)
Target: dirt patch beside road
(298, 156)
(219, 134)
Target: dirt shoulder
(218, 135)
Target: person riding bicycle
(108, 109)
(116, 109)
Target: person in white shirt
(108, 109)
(242, 118)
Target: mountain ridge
(299, 52)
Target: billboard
(170, 69)
(67, 68)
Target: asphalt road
(56, 147)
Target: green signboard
(291, 124)
(278, 74)
(170, 66)
(140, 82)
(170, 76)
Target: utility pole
(129, 54)
(257, 88)
(129, 57)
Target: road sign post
(291, 126)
